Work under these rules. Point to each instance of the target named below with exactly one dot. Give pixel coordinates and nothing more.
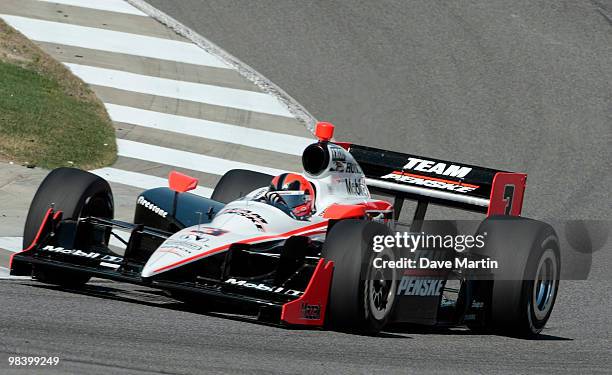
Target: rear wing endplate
(446, 183)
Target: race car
(298, 249)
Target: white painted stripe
(142, 181)
(5, 275)
(118, 6)
(184, 159)
(197, 92)
(110, 265)
(261, 139)
(125, 235)
(115, 242)
(13, 244)
(265, 84)
(112, 41)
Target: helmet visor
(297, 201)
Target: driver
(293, 191)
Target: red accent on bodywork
(379, 206)
(305, 231)
(344, 211)
(498, 203)
(181, 182)
(344, 145)
(315, 295)
(57, 216)
(324, 131)
(41, 229)
(347, 211)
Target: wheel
(361, 297)
(526, 283)
(76, 193)
(238, 183)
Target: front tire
(361, 297)
(76, 193)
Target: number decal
(508, 198)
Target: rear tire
(76, 193)
(525, 285)
(238, 183)
(361, 298)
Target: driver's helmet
(296, 193)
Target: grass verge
(48, 117)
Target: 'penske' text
(429, 183)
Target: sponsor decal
(172, 250)
(258, 193)
(310, 312)
(410, 286)
(111, 258)
(255, 218)
(200, 233)
(356, 186)
(109, 265)
(180, 246)
(75, 252)
(442, 169)
(83, 254)
(344, 167)
(430, 182)
(337, 153)
(211, 231)
(194, 235)
(264, 287)
(143, 202)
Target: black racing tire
(526, 283)
(361, 297)
(76, 193)
(237, 183)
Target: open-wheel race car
(297, 249)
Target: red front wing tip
(310, 308)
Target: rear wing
(446, 183)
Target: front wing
(53, 249)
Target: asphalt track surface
(517, 85)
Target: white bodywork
(249, 221)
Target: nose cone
(160, 261)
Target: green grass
(44, 124)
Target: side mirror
(181, 182)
